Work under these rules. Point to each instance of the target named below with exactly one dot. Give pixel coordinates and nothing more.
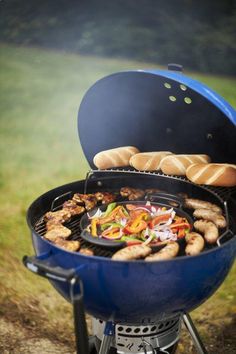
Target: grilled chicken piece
(105, 197)
(59, 216)
(72, 246)
(73, 207)
(131, 193)
(86, 251)
(89, 200)
(192, 203)
(53, 224)
(195, 243)
(168, 252)
(208, 229)
(59, 231)
(132, 252)
(206, 214)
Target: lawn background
(39, 149)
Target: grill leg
(108, 335)
(194, 334)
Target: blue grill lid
(156, 110)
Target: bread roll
(117, 157)
(213, 174)
(148, 161)
(177, 164)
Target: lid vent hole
(187, 100)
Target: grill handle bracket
(40, 265)
(170, 199)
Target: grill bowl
(134, 292)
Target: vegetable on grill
(138, 224)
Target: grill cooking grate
(223, 195)
(74, 226)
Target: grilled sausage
(209, 230)
(195, 243)
(168, 252)
(192, 203)
(132, 252)
(217, 219)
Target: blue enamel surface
(134, 292)
(202, 89)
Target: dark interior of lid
(153, 113)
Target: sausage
(132, 252)
(206, 214)
(192, 203)
(209, 230)
(195, 243)
(168, 252)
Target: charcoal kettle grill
(138, 307)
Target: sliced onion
(143, 208)
(98, 214)
(164, 212)
(114, 238)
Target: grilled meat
(132, 252)
(72, 246)
(168, 252)
(208, 229)
(201, 204)
(59, 216)
(59, 231)
(89, 200)
(105, 197)
(217, 219)
(132, 193)
(195, 243)
(86, 251)
(73, 207)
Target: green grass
(39, 146)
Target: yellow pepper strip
(94, 227)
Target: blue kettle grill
(138, 306)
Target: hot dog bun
(117, 157)
(213, 174)
(177, 164)
(148, 161)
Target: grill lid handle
(175, 67)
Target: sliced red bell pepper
(137, 225)
(158, 219)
